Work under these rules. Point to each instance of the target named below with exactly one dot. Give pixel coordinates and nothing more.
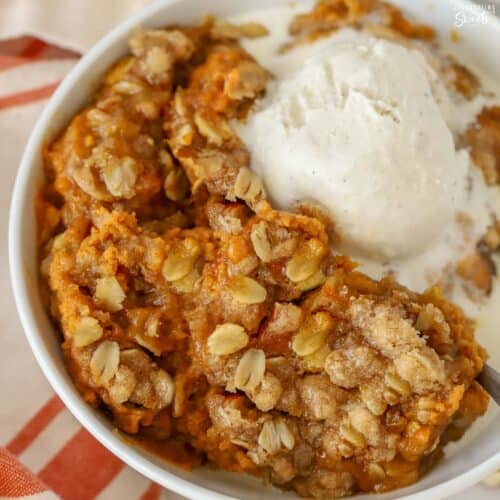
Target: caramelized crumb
(483, 138)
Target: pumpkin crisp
(219, 330)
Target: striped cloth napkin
(44, 452)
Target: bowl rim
(86, 416)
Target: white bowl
(466, 462)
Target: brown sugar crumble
(216, 328)
(483, 138)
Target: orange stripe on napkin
(82, 469)
(14, 46)
(54, 52)
(28, 96)
(34, 48)
(15, 479)
(7, 62)
(14, 53)
(35, 426)
(152, 493)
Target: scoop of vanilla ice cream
(360, 130)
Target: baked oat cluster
(215, 328)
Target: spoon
(489, 378)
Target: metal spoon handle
(489, 378)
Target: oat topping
(87, 331)
(227, 339)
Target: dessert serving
(258, 238)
